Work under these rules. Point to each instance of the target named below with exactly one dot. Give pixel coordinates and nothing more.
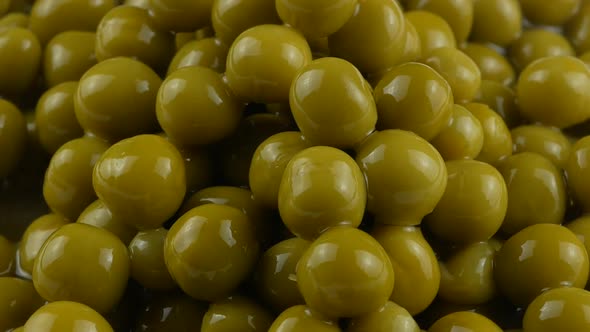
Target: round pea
(84, 264)
(336, 195)
(332, 103)
(68, 56)
(141, 180)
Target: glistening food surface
(294, 165)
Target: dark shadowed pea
(236, 313)
(230, 17)
(67, 188)
(208, 52)
(379, 26)
(35, 236)
(55, 118)
(18, 300)
(50, 17)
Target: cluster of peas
(296, 165)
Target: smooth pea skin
(18, 300)
(67, 56)
(536, 191)
(67, 187)
(20, 59)
(98, 215)
(236, 313)
(390, 317)
(275, 284)
(549, 12)
(238, 198)
(301, 319)
(497, 141)
(414, 262)
(467, 277)
(230, 17)
(334, 194)
(116, 99)
(268, 165)
(434, 32)
(50, 17)
(578, 172)
(492, 65)
(546, 141)
(208, 52)
(263, 61)
(131, 32)
(578, 28)
(84, 264)
(462, 138)
(457, 69)
(536, 44)
(400, 190)
(13, 20)
(537, 258)
(55, 117)
(547, 94)
(332, 103)
(336, 283)
(413, 47)
(210, 250)
(379, 26)
(66, 316)
(181, 15)
(464, 321)
(501, 99)
(195, 107)
(558, 309)
(13, 137)
(35, 236)
(581, 227)
(142, 180)
(316, 18)
(171, 311)
(457, 13)
(7, 257)
(182, 38)
(474, 203)
(496, 21)
(414, 97)
(146, 254)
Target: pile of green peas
(294, 165)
